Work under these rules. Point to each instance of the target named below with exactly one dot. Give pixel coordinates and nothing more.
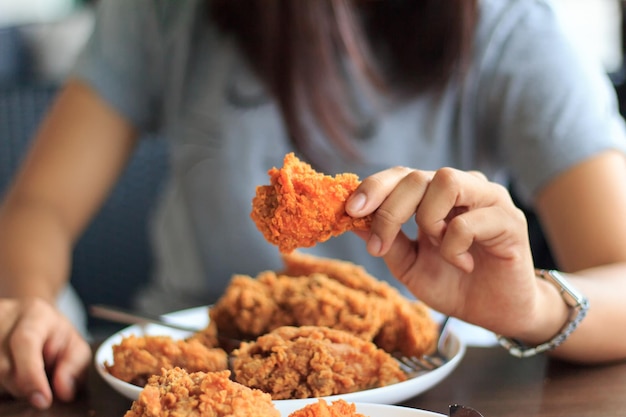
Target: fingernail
(374, 244)
(356, 202)
(39, 401)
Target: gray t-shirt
(528, 109)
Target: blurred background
(40, 38)
(39, 41)
(595, 26)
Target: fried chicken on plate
(251, 307)
(408, 328)
(325, 292)
(310, 293)
(313, 361)
(178, 393)
(302, 207)
(137, 358)
(339, 408)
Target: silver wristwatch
(578, 305)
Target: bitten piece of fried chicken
(302, 207)
(313, 361)
(177, 393)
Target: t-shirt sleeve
(546, 108)
(121, 59)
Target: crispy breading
(329, 292)
(137, 358)
(208, 335)
(251, 307)
(347, 273)
(409, 328)
(302, 207)
(247, 308)
(339, 408)
(313, 361)
(177, 393)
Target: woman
(489, 87)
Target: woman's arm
(583, 215)
(77, 155)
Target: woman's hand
(471, 258)
(40, 352)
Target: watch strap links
(578, 305)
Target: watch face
(571, 295)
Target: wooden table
(487, 379)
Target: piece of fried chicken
(408, 328)
(302, 207)
(325, 292)
(178, 393)
(339, 408)
(251, 307)
(137, 358)
(313, 361)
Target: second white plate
(370, 410)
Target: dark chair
(112, 259)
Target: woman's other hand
(41, 353)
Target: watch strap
(578, 305)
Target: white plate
(198, 317)
(370, 410)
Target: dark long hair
(296, 47)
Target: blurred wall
(596, 27)
(40, 39)
(18, 12)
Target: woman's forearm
(599, 338)
(35, 250)
(78, 153)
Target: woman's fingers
(40, 343)
(73, 355)
(376, 188)
(393, 195)
(461, 210)
(452, 192)
(29, 381)
(29, 378)
(440, 201)
(492, 229)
